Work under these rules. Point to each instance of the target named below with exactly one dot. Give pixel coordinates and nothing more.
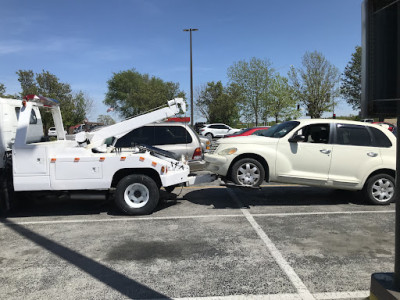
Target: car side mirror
(297, 139)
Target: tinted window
(213, 126)
(155, 135)
(352, 135)
(33, 119)
(282, 129)
(17, 110)
(380, 139)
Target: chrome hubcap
(136, 195)
(383, 190)
(248, 174)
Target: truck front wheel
(137, 195)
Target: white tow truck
(91, 162)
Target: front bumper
(218, 164)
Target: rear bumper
(197, 165)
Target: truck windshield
(280, 130)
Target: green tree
(350, 88)
(218, 104)
(252, 78)
(315, 84)
(106, 120)
(2, 90)
(74, 106)
(131, 93)
(281, 103)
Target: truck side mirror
(297, 138)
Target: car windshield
(280, 130)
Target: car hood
(251, 139)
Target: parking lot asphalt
(208, 242)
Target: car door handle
(372, 154)
(325, 151)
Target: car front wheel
(380, 189)
(248, 172)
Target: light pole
(191, 75)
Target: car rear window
(155, 135)
(380, 139)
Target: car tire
(137, 195)
(248, 172)
(209, 136)
(380, 189)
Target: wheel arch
(129, 171)
(381, 171)
(257, 157)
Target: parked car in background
(178, 138)
(199, 125)
(217, 130)
(331, 153)
(249, 131)
(52, 131)
(386, 125)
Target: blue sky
(84, 42)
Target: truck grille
(213, 147)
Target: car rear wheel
(248, 172)
(137, 195)
(209, 136)
(379, 189)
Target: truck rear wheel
(137, 195)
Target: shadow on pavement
(53, 206)
(275, 196)
(115, 280)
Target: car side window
(354, 135)
(170, 135)
(142, 135)
(380, 139)
(214, 126)
(315, 133)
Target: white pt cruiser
(338, 154)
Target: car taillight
(197, 153)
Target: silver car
(178, 138)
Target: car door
(306, 161)
(353, 155)
(222, 130)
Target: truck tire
(137, 195)
(248, 172)
(380, 189)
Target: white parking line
(134, 219)
(280, 260)
(342, 295)
(318, 296)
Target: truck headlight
(228, 151)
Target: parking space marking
(133, 219)
(280, 260)
(342, 295)
(247, 297)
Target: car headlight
(228, 151)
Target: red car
(249, 131)
(386, 125)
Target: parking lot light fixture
(191, 74)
